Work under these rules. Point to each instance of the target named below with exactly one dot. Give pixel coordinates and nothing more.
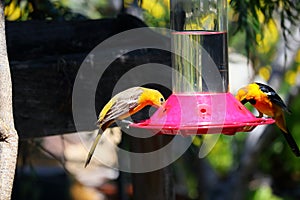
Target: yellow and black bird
(268, 102)
(122, 105)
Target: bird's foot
(126, 123)
(260, 115)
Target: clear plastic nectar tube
(204, 24)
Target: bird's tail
(292, 143)
(92, 150)
(94, 145)
(280, 122)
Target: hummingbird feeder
(201, 102)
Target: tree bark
(8, 134)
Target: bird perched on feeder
(268, 102)
(122, 105)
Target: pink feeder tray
(202, 113)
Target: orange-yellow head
(263, 98)
(151, 97)
(249, 93)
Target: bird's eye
(162, 100)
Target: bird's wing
(124, 102)
(273, 96)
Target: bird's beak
(158, 105)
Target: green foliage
(57, 10)
(264, 192)
(156, 14)
(248, 20)
(293, 122)
(221, 156)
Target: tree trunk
(8, 134)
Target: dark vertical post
(122, 184)
(157, 184)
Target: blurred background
(264, 45)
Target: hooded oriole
(268, 102)
(123, 105)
